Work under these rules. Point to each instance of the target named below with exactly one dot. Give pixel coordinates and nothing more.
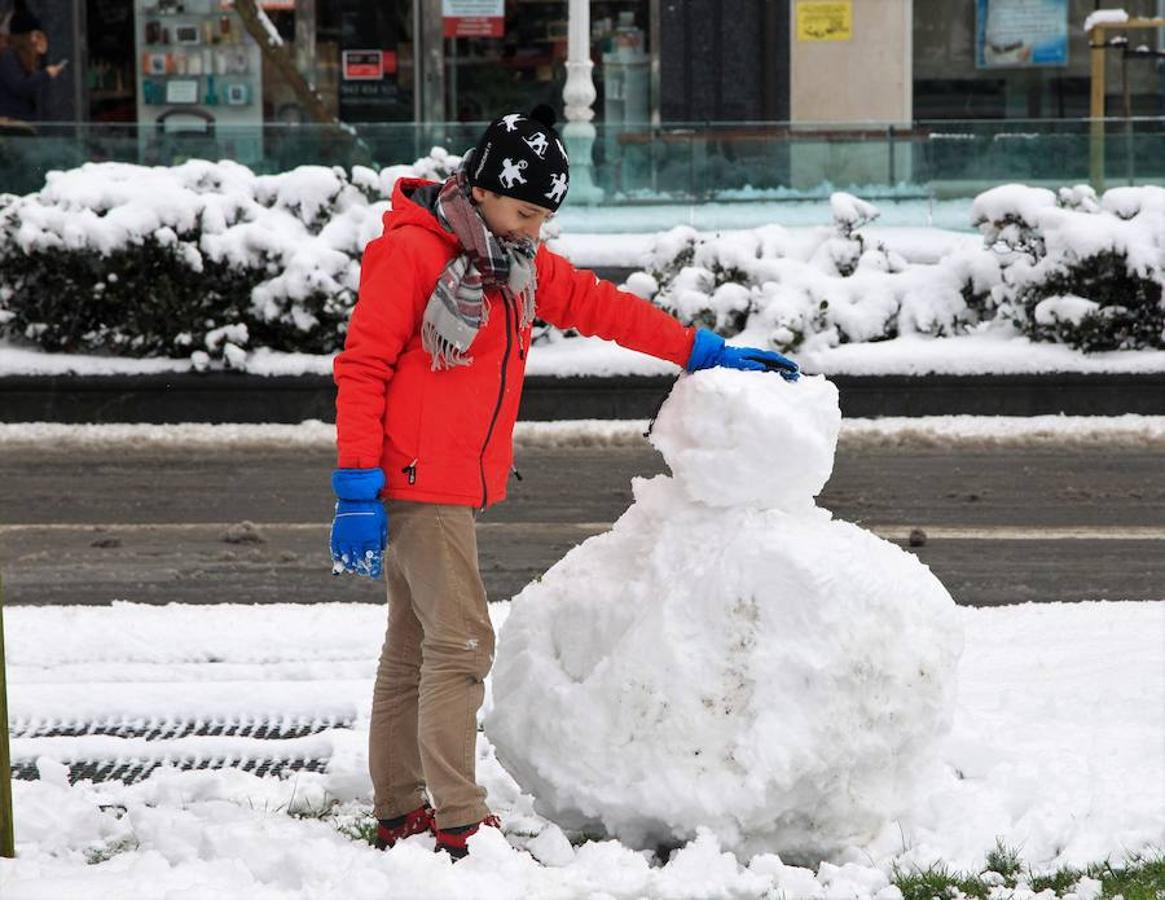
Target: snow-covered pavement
(1058, 748)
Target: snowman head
(749, 439)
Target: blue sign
(1021, 33)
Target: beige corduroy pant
(430, 682)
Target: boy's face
(508, 218)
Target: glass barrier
(677, 163)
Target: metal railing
(678, 162)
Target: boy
(428, 389)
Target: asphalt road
(1003, 525)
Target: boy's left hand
(709, 350)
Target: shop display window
(527, 65)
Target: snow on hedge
(212, 263)
(1066, 267)
(201, 258)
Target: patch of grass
(354, 820)
(937, 881)
(1004, 860)
(324, 810)
(358, 828)
(1141, 878)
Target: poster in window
(1021, 33)
(370, 38)
(825, 20)
(474, 18)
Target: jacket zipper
(498, 406)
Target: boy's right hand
(360, 527)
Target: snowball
(728, 656)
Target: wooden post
(1097, 45)
(1096, 110)
(7, 828)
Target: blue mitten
(360, 528)
(709, 350)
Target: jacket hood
(409, 211)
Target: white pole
(579, 96)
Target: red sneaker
(389, 831)
(455, 841)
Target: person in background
(22, 71)
(429, 384)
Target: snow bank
(730, 659)
(312, 434)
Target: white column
(579, 96)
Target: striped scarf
(457, 309)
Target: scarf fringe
(445, 354)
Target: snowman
(729, 655)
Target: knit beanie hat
(23, 21)
(522, 157)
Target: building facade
(655, 61)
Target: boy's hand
(360, 527)
(709, 350)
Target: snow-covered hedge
(1082, 270)
(814, 287)
(1064, 267)
(208, 260)
(202, 259)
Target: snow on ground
(985, 354)
(718, 216)
(1057, 748)
(1129, 430)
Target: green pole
(7, 830)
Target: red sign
(364, 65)
(475, 26)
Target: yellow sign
(818, 20)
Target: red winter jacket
(446, 436)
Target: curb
(229, 397)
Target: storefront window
(953, 79)
(527, 65)
(364, 58)
(111, 79)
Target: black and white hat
(522, 157)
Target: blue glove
(709, 350)
(360, 529)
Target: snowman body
(728, 655)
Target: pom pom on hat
(544, 114)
